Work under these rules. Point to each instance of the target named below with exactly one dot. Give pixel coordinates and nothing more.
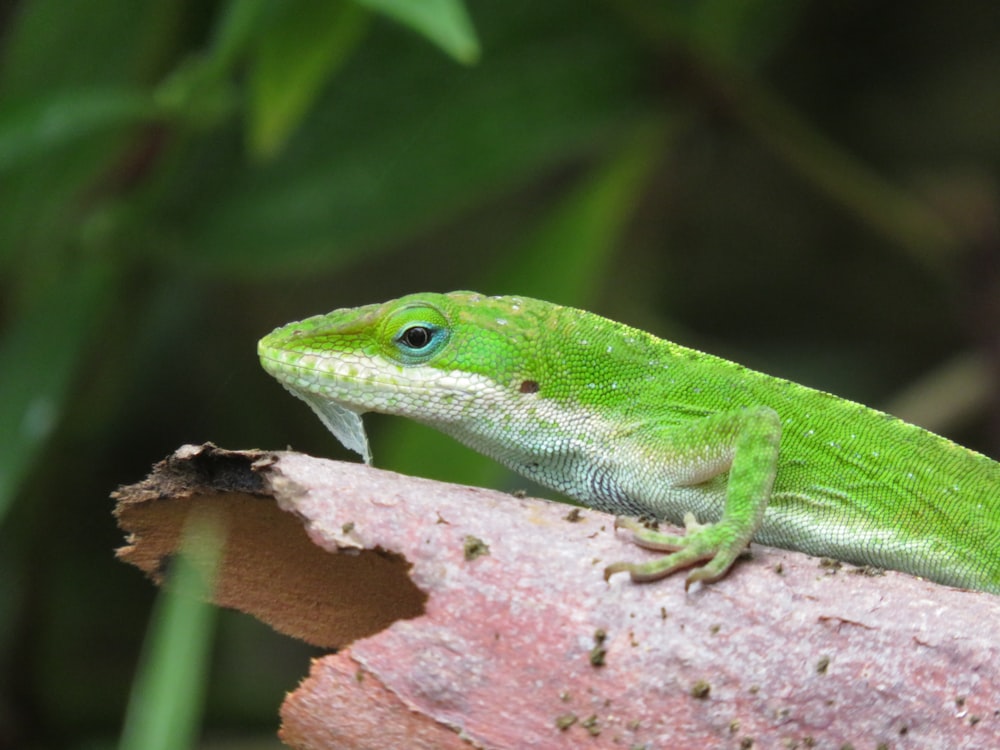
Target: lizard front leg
(748, 440)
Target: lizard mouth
(375, 384)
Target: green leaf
(240, 23)
(35, 126)
(305, 45)
(73, 88)
(54, 45)
(404, 142)
(199, 90)
(444, 22)
(41, 354)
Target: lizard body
(625, 422)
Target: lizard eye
(415, 333)
(416, 337)
(417, 342)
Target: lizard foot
(713, 542)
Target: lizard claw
(712, 542)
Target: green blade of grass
(165, 706)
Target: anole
(635, 425)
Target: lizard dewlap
(632, 424)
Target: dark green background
(808, 187)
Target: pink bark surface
(371, 716)
(518, 641)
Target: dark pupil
(417, 337)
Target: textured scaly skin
(628, 423)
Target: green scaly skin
(634, 425)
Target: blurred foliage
(808, 187)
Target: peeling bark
(470, 618)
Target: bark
(470, 618)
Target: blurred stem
(890, 210)
(165, 707)
(947, 398)
(591, 220)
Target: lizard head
(430, 357)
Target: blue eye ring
(414, 333)
(417, 341)
(417, 337)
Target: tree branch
(467, 614)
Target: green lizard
(635, 425)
